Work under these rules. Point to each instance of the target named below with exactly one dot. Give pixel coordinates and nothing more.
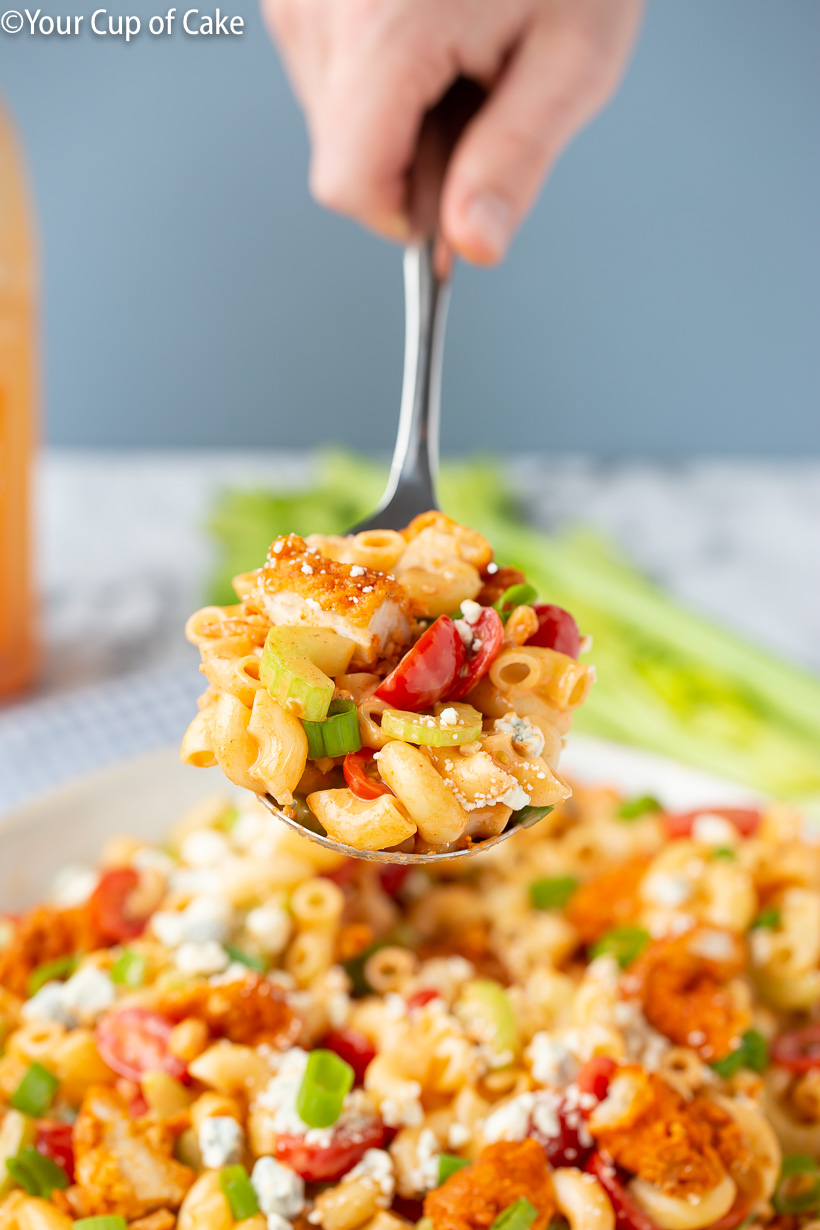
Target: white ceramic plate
(143, 796)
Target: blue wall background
(663, 299)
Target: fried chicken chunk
(687, 994)
(608, 900)
(45, 934)
(685, 1148)
(125, 1166)
(250, 1010)
(298, 585)
(472, 1198)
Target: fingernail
(489, 217)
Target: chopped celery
(450, 726)
(337, 735)
(292, 678)
(485, 1009)
(18, 1132)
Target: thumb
(552, 86)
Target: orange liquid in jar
(18, 417)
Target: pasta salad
(607, 1024)
(394, 691)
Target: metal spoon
(411, 486)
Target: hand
(366, 72)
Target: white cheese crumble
(205, 919)
(279, 1190)
(551, 1061)
(471, 610)
(73, 885)
(511, 1121)
(666, 889)
(204, 848)
(47, 1005)
(207, 958)
(88, 994)
(516, 798)
(712, 830)
(280, 1093)
(713, 945)
(458, 1135)
(528, 737)
(149, 858)
(377, 1167)
(270, 926)
(465, 632)
(448, 717)
(545, 1118)
(220, 1141)
(761, 946)
(404, 1108)
(357, 571)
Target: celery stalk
(293, 680)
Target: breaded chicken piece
(608, 900)
(472, 1198)
(685, 1148)
(125, 1166)
(45, 934)
(298, 585)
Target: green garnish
(485, 1007)
(36, 1174)
(298, 666)
(752, 1053)
(518, 1216)
(101, 1223)
(260, 964)
(228, 818)
(798, 1188)
(553, 892)
(448, 1164)
(35, 1093)
(432, 731)
(50, 971)
(625, 944)
(325, 1085)
(724, 852)
(641, 805)
(337, 735)
(239, 1192)
(766, 920)
(129, 969)
(516, 595)
(526, 817)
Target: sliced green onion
(434, 731)
(292, 678)
(101, 1223)
(35, 1093)
(798, 1188)
(516, 595)
(752, 1053)
(642, 805)
(526, 817)
(448, 1164)
(260, 964)
(50, 971)
(229, 818)
(485, 1008)
(727, 853)
(553, 892)
(625, 944)
(129, 969)
(325, 1085)
(766, 920)
(239, 1192)
(36, 1174)
(337, 735)
(518, 1216)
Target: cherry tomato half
(798, 1049)
(353, 1047)
(54, 1140)
(428, 670)
(488, 632)
(360, 782)
(595, 1075)
(422, 997)
(326, 1163)
(746, 820)
(556, 630)
(628, 1213)
(108, 905)
(392, 876)
(567, 1147)
(134, 1041)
